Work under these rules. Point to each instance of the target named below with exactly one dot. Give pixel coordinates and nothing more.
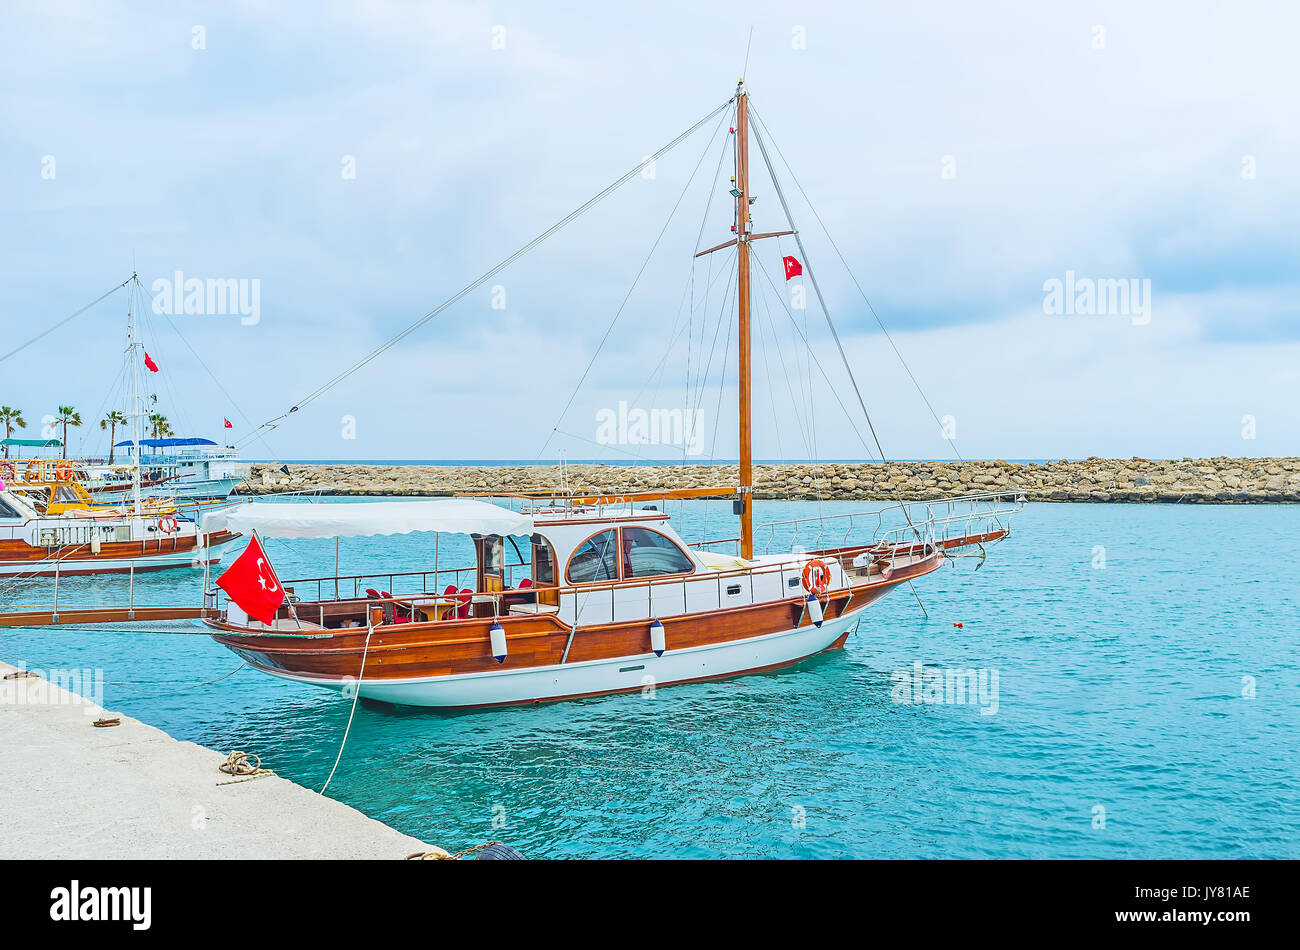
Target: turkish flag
(792, 267)
(228, 425)
(251, 583)
(150, 365)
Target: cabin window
(596, 559)
(543, 561)
(494, 555)
(648, 553)
(7, 510)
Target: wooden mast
(742, 294)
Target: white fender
(498, 636)
(658, 643)
(815, 610)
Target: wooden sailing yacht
(603, 595)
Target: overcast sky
(365, 161)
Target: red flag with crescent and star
(792, 267)
(149, 364)
(251, 583)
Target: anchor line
(488, 275)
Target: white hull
(212, 489)
(622, 674)
(108, 565)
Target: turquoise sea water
(1120, 688)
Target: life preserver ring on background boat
(63, 471)
(168, 525)
(816, 576)
(7, 470)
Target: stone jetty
(1186, 481)
(133, 792)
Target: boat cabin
(583, 564)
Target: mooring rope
(223, 676)
(245, 765)
(355, 696)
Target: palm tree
(10, 418)
(111, 422)
(160, 427)
(67, 417)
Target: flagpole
(288, 601)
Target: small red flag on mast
(228, 425)
(792, 267)
(149, 364)
(251, 583)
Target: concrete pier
(71, 790)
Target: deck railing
(938, 521)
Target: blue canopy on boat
(165, 443)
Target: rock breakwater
(1215, 480)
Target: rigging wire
(880, 323)
(644, 264)
(48, 330)
(703, 379)
(816, 362)
(488, 275)
(771, 171)
(709, 278)
(722, 370)
(213, 376)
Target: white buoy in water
(498, 636)
(815, 610)
(657, 641)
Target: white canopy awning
(353, 519)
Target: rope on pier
(245, 765)
(438, 854)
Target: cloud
(959, 157)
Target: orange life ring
(7, 470)
(63, 471)
(816, 576)
(168, 525)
